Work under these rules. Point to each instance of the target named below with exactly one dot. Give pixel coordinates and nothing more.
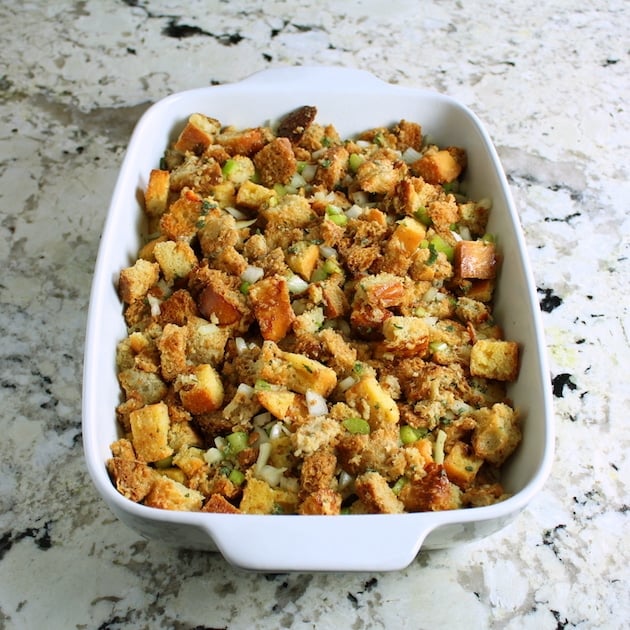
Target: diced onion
(360, 197)
(276, 430)
(319, 153)
(430, 295)
(252, 274)
(213, 455)
(316, 403)
(328, 252)
(154, 303)
(347, 383)
(486, 203)
(261, 419)
(236, 213)
(308, 172)
(438, 447)
(239, 225)
(464, 232)
(264, 451)
(241, 345)
(296, 284)
(456, 235)
(410, 155)
(344, 480)
(271, 475)
(354, 211)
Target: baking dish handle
(325, 77)
(320, 543)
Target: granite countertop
(551, 84)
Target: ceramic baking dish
(352, 101)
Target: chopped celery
(442, 246)
(357, 426)
(437, 346)
(237, 441)
(336, 215)
(409, 435)
(236, 477)
(261, 384)
(398, 486)
(330, 266)
(244, 287)
(167, 462)
(319, 274)
(422, 215)
(354, 161)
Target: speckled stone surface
(551, 84)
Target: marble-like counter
(551, 84)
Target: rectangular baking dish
(352, 101)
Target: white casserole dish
(352, 101)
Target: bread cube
(376, 495)
(168, 494)
(272, 307)
(198, 133)
(149, 430)
(295, 371)
(156, 193)
(302, 258)
(253, 196)
(135, 281)
(497, 433)
(277, 402)
(201, 391)
(133, 479)
(176, 259)
(276, 162)
(172, 348)
(475, 260)
(441, 167)
(462, 465)
(404, 337)
(373, 402)
(495, 359)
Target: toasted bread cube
(433, 492)
(441, 167)
(380, 175)
(292, 211)
(242, 141)
(461, 464)
(224, 194)
(179, 222)
(172, 348)
(272, 307)
(205, 341)
(276, 162)
(295, 371)
(149, 430)
(198, 133)
(156, 192)
(276, 402)
(258, 497)
(497, 433)
(146, 251)
(302, 258)
(371, 400)
(253, 196)
(376, 495)
(135, 281)
(495, 359)
(146, 387)
(133, 479)
(218, 504)
(168, 494)
(475, 260)
(404, 337)
(324, 501)
(176, 259)
(201, 391)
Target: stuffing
(310, 327)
